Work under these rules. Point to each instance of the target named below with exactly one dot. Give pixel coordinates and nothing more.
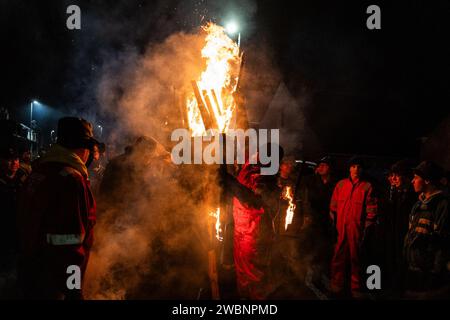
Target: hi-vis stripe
(421, 230)
(425, 221)
(371, 209)
(64, 239)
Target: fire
(211, 103)
(288, 195)
(216, 85)
(216, 215)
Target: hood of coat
(63, 155)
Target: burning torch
(211, 106)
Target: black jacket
(427, 241)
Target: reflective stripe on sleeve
(64, 239)
(425, 221)
(421, 230)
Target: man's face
(13, 165)
(96, 153)
(323, 169)
(355, 171)
(397, 180)
(419, 184)
(390, 179)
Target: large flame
(216, 87)
(217, 83)
(288, 195)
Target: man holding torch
(255, 204)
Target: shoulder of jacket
(341, 183)
(366, 185)
(70, 172)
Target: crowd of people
(339, 227)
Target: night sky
(372, 91)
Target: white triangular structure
(286, 114)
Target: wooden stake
(209, 106)
(213, 275)
(241, 112)
(216, 101)
(203, 111)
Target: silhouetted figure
(427, 243)
(57, 214)
(9, 187)
(315, 196)
(396, 210)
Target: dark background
(372, 91)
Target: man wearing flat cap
(427, 242)
(57, 216)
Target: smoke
(150, 237)
(150, 246)
(112, 31)
(128, 74)
(151, 234)
(145, 96)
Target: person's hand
(366, 232)
(332, 217)
(259, 191)
(368, 224)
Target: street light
(31, 110)
(52, 136)
(101, 130)
(232, 27)
(32, 137)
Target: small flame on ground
(287, 195)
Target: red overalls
(355, 208)
(250, 244)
